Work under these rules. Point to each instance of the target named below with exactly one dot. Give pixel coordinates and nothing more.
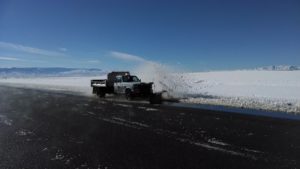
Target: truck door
(117, 84)
(124, 84)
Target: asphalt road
(44, 129)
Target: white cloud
(93, 61)
(63, 49)
(31, 50)
(127, 57)
(9, 58)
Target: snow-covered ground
(80, 85)
(269, 90)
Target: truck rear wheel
(101, 93)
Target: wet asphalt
(47, 129)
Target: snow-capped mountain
(280, 68)
(48, 72)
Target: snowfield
(270, 90)
(258, 89)
(80, 85)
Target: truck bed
(98, 83)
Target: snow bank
(73, 84)
(258, 89)
(270, 90)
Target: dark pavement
(46, 129)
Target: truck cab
(126, 82)
(122, 83)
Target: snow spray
(164, 77)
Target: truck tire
(101, 93)
(155, 98)
(128, 94)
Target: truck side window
(126, 78)
(135, 79)
(118, 79)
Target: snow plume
(163, 76)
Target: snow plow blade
(155, 98)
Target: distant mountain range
(48, 72)
(64, 72)
(279, 68)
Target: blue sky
(118, 34)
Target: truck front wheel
(128, 94)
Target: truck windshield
(130, 79)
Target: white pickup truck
(122, 83)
